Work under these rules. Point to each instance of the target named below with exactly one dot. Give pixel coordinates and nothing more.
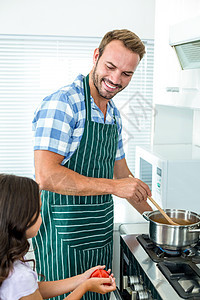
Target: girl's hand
(97, 285)
(100, 285)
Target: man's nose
(116, 77)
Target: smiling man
(80, 163)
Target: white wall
(77, 17)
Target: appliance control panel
(158, 180)
(134, 289)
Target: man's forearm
(53, 176)
(64, 181)
(141, 206)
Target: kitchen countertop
(134, 228)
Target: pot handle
(194, 230)
(146, 215)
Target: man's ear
(96, 55)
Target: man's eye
(127, 74)
(110, 67)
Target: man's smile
(110, 86)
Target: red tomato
(101, 274)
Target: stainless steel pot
(173, 237)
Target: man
(80, 162)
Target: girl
(20, 220)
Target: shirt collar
(94, 106)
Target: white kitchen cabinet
(172, 85)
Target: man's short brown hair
(128, 38)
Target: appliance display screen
(159, 172)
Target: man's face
(113, 71)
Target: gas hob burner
(157, 254)
(169, 253)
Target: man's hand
(132, 189)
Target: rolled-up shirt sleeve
(53, 124)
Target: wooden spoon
(162, 212)
(160, 209)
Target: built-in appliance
(172, 173)
(177, 72)
(185, 38)
(149, 272)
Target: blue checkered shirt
(59, 120)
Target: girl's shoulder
(21, 282)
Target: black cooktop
(184, 277)
(158, 254)
(179, 267)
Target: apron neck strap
(87, 97)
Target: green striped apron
(77, 231)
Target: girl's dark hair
(19, 210)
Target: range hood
(185, 38)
